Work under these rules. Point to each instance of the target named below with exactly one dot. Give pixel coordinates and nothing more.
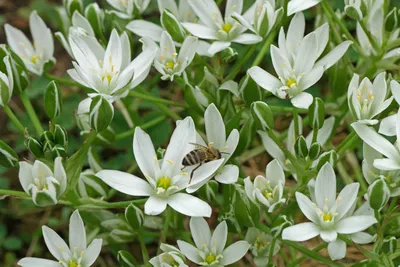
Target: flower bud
(60, 136)
(134, 216)
(47, 139)
(73, 5)
(317, 113)
(95, 16)
(90, 185)
(300, 147)
(262, 115)
(8, 157)
(35, 147)
(315, 150)
(53, 100)
(6, 82)
(229, 55)
(58, 151)
(391, 20)
(330, 156)
(250, 90)
(173, 26)
(389, 245)
(279, 224)
(18, 71)
(125, 259)
(353, 12)
(101, 113)
(378, 194)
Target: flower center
(327, 217)
(260, 244)
(35, 59)
(74, 264)
(164, 182)
(210, 258)
(290, 83)
(227, 27)
(39, 185)
(170, 65)
(108, 77)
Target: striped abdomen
(194, 157)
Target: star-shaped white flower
(210, 249)
(78, 253)
(328, 214)
(126, 9)
(171, 257)
(36, 55)
(297, 62)
(165, 178)
(213, 26)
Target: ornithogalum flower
(36, 55)
(41, 183)
(388, 124)
(366, 100)
(210, 249)
(329, 215)
(223, 30)
(170, 63)
(78, 253)
(216, 137)
(183, 12)
(165, 178)
(297, 62)
(80, 27)
(126, 9)
(268, 190)
(6, 82)
(391, 162)
(264, 17)
(170, 257)
(260, 246)
(295, 6)
(110, 72)
(371, 174)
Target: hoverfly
(200, 155)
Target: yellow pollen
(170, 65)
(164, 182)
(35, 58)
(327, 217)
(108, 77)
(290, 83)
(370, 96)
(210, 258)
(227, 27)
(73, 264)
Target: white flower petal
(301, 232)
(264, 79)
(200, 31)
(337, 249)
(55, 243)
(200, 231)
(145, 28)
(362, 238)
(25, 175)
(395, 88)
(228, 175)
(215, 127)
(274, 173)
(325, 186)
(247, 38)
(302, 100)
(328, 235)
(204, 173)
(295, 32)
(295, 6)
(346, 199)
(387, 164)
(306, 55)
(125, 183)
(388, 125)
(355, 224)
(189, 205)
(218, 239)
(311, 78)
(207, 11)
(234, 252)
(333, 56)
(189, 251)
(218, 46)
(144, 152)
(155, 205)
(307, 207)
(35, 262)
(77, 233)
(92, 252)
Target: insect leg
(191, 175)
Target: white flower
(216, 136)
(382, 145)
(183, 12)
(170, 63)
(110, 72)
(296, 62)
(260, 246)
(40, 182)
(264, 17)
(74, 255)
(276, 152)
(295, 6)
(41, 52)
(388, 124)
(213, 26)
(171, 257)
(371, 173)
(367, 100)
(268, 190)
(127, 8)
(6, 82)
(80, 27)
(164, 182)
(328, 214)
(209, 250)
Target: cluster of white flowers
(191, 47)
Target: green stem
(265, 48)
(309, 253)
(144, 126)
(370, 37)
(145, 253)
(31, 112)
(296, 122)
(299, 260)
(14, 119)
(5, 192)
(64, 81)
(125, 113)
(283, 109)
(157, 99)
(271, 251)
(315, 135)
(99, 204)
(240, 63)
(347, 143)
(163, 237)
(379, 232)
